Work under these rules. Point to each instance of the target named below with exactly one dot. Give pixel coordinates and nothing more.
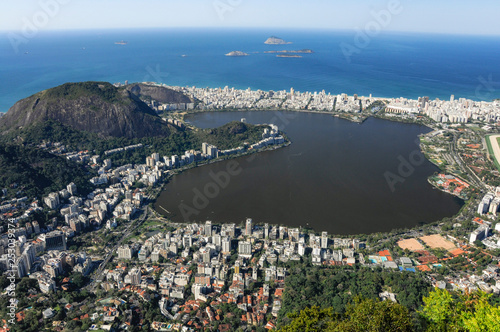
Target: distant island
(276, 41)
(308, 51)
(288, 56)
(237, 53)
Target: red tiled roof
(423, 268)
(457, 252)
(384, 253)
(20, 316)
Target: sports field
(494, 149)
(437, 241)
(410, 244)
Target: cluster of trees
(376, 106)
(148, 311)
(104, 90)
(338, 287)
(231, 135)
(490, 177)
(444, 311)
(441, 311)
(34, 320)
(362, 315)
(53, 131)
(477, 260)
(231, 314)
(38, 172)
(228, 136)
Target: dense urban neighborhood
(105, 260)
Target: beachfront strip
(454, 110)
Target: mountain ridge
(96, 107)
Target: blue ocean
(387, 65)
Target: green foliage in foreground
(441, 312)
(469, 312)
(338, 287)
(362, 315)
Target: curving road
(130, 228)
(473, 178)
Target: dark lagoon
(336, 176)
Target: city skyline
(424, 16)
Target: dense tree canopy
(469, 312)
(362, 315)
(38, 172)
(441, 311)
(337, 287)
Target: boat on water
(121, 42)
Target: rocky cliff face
(96, 107)
(158, 93)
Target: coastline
(334, 114)
(445, 191)
(138, 237)
(339, 115)
(381, 86)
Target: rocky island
(288, 56)
(276, 41)
(306, 50)
(237, 53)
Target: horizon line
(410, 32)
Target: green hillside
(36, 172)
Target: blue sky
(439, 16)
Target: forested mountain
(96, 107)
(36, 172)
